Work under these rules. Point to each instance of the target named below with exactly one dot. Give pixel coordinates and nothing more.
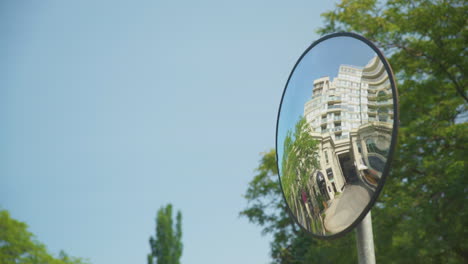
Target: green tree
(166, 247)
(266, 207)
(421, 215)
(19, 246)
(299, 146)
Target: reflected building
(351, 117)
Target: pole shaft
(365, 241)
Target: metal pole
(365, 241)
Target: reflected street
(345, 208)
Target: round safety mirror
(336, 132)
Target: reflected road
(346, 207)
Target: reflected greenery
(300, 156)
(299, 162)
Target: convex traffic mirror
(335, 133)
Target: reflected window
(381, 94)
(377, 163)
(373, 148)
(330, 174)
(322, 186)
(383, 117)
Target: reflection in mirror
(334, 134)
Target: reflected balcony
(334, 107)
(341, 137)
(334, 99)
(387, 102)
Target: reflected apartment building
(351, 116)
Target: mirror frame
(393, 139)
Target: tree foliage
(166, 247)
(19, 246)
(290, 244)
(421, 215)
(299, 146)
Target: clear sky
(322, 60)
(111, 109)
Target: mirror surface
(334, 134)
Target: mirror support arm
(365, 241)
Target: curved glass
(335, 133)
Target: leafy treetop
(19, 246)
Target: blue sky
(111, 109)
(322, 60)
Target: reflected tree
(300, 160)
(299, 157)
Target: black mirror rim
(393, 140)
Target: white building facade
(346, 113)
